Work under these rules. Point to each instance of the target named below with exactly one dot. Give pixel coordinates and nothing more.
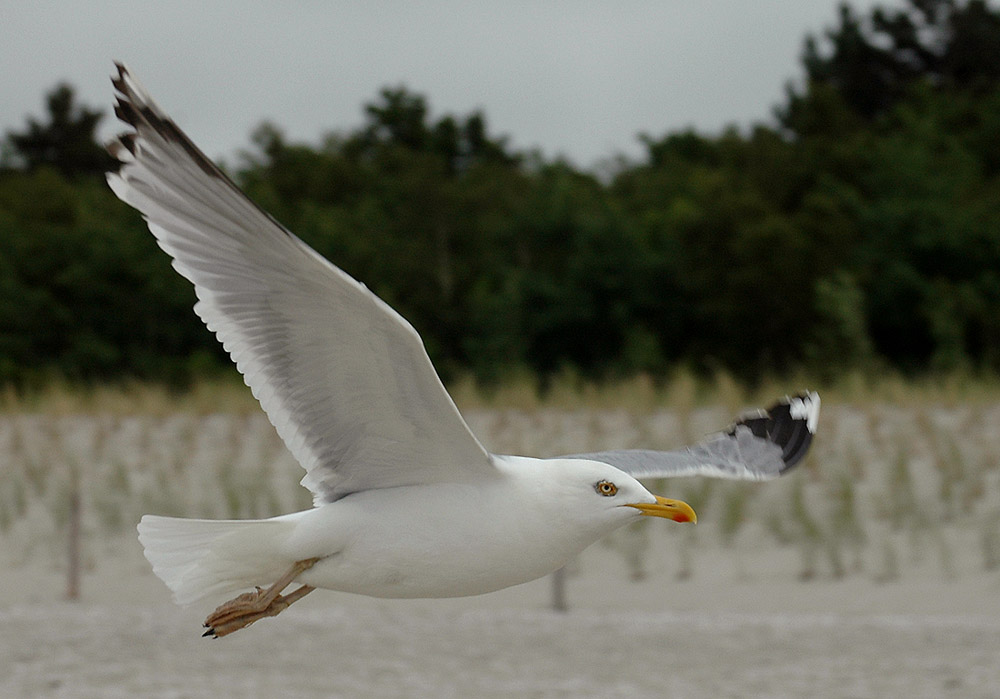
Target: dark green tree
(861, 231)
(66, 142)
(872, 62)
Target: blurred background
(839, 211)
(614, 225)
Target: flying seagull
(406, 501)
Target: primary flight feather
(407, 502)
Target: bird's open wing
(759, 446)
(343, 377)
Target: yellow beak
(663, 507)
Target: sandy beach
(720, 633)
(896, 596)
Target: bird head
(598, 490)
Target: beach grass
(903, 475)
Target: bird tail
(198, 558)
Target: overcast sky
(580, 79)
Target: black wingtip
(135, 108)
(790, 423)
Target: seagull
(407, 502)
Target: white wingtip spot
(806, 408)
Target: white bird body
(407, 502)
(455, 540)
(437, 540)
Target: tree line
(857, 229)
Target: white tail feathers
(197, 558)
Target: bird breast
(439, 540)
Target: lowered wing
(759, 446)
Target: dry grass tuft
(898, 467)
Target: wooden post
(559, 590)
(73, 544)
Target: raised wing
(344, 378)
(759, 446)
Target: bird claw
(241, 611)
(245, 609)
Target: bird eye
(606, 488)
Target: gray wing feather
(759, 446)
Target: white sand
(741, 624)
(722, 633)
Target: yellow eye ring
(606, 488)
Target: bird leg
(245, 609)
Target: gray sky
(579, 79)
